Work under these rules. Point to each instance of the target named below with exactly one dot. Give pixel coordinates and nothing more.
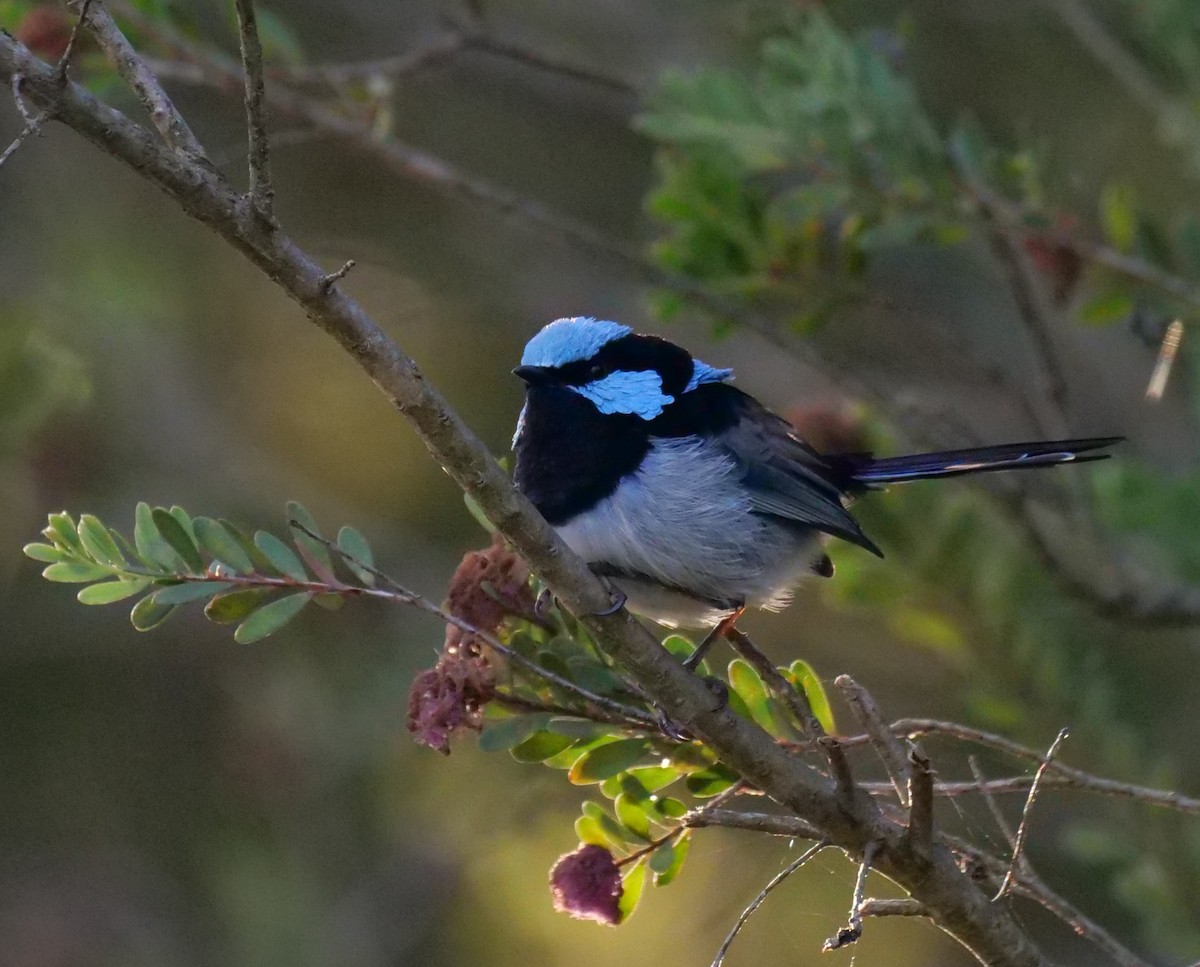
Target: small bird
(690, 496)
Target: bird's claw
(677, 731)
(619, 602)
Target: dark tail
(871, 472)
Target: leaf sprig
(259, 583)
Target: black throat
(570, 456)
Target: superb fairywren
(692, 497)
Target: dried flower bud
(587, 885)
(45, 30)
(1053, 256)
(488, 586)
(449, 697)
(830, 427)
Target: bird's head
(611, 366)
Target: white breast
(683, 520)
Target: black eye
(595, 371)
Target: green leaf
(662, 859)
(540, 746)
(235, 606)
(804, 679)
(667, 807)
(190, 591)
(76, 572)
(98, 542)
(271, 617)
(221, 545)
(106, 592)
(477, 512)
(511, 732)
(150, 545)
(148, 613)
(46, 553)
(180, 539)
(664, 873)
(590, 831)
(606, 760)
(1118, 216)
(61, 529)
(1106, 309)
(616, 834)
(632, 884)
(711, 781)
(260, 562)
(355, 545)
(316, 553)
(282, 557)
(184, 520)
(632, 816)
(577, 728)
(748, 684)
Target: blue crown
(570, 340)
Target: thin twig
(1059, 773)
(402, 593)
(885, 744)
(261, 191)
(33, 124)
(872, 907)
(797, 703)
(982, 784)
(65, 59)
(920, 797)
(766, 891)
(327, 281)
(853, 930)
(1023, 828)
(163, 114)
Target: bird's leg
(693, 660)
(719, 689)
(618, 598)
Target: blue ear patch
(638, 392)
(703, 373)
(570, 340)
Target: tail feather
(871, 472)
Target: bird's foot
(676, 731)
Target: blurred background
(174, 798)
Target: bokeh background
(177, 799)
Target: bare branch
(1023, 828)
(757, 902)
(1123, 66)
(920, 797)
(65, 60)
(853, 930)
(982, 785)
(1059, 774)
(261, 192)
(883, 741)
(327, 281)
(872, 907)
(33, 122)
(169, 122)
(770, 823)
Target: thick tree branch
(958, 906)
